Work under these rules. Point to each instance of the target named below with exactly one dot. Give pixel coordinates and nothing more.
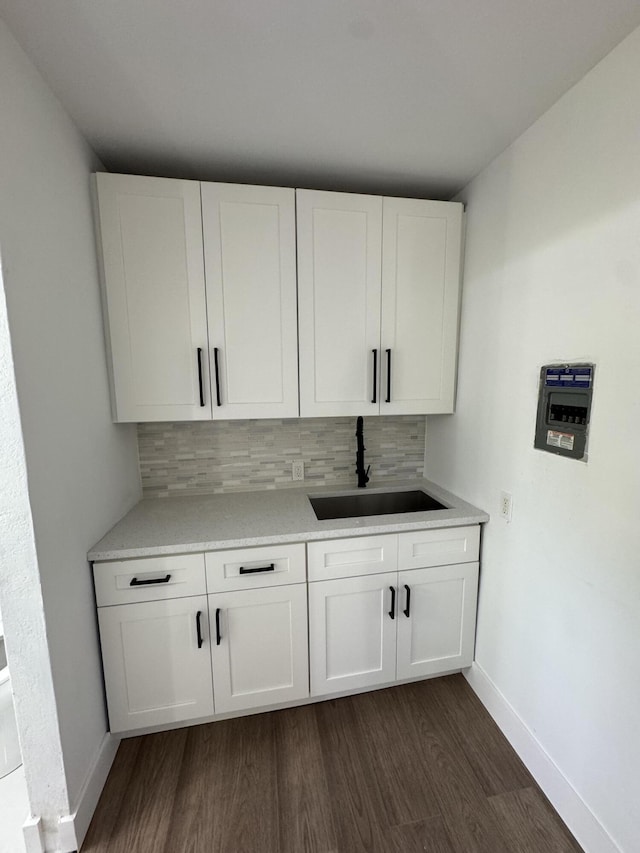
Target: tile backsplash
(207, 457)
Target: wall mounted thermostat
(564, 409)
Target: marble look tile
(213, 457)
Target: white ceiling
(410, 97)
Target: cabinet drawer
(149, 579)
(344, 558)
(442, 547)
(249, 568)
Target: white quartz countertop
(183, 525)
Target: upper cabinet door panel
(250, 260)
(339, 268)
(151, 236)
(420, 295)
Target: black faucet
(363, 476)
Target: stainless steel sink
(373, 503)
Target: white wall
(552, 273)
(82, 470)
(20, 594)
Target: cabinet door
(154, 297)
(438, 633)
(259, 646)
(352, 637)
(339, 244)
(420, 298)
(250, 260)
(156, 670)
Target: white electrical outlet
(506, 505)
(297, 469)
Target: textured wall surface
(80, 468)
(225, 456)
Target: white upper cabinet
(154, 297)
(378, 293)
(250, 263)
(202, 313)
(420, 298)
(339, 278)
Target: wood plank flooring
(420, 768)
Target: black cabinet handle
(407, 609)
(218, 634)
(199, 629)
(392, 612)
(216, 368)
(270, 568)
(136, 582)
(388, 400)
(375, 376)
(200, 385)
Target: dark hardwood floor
(420, 768)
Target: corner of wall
(573, 810)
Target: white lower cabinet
(188, 637)
(376, 629)
(436, 619)
(157, 662)
(368, 628)
(259, 646)
(352, 639)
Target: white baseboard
(33, 837)
(573, 810)
(73, 828)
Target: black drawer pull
(375, 376)
(136, 582)
(392, 612)
(199, 629)
(216, 368)
(270, 568)
(388, 400)
(200, 384)
(218, 634)
(407, 609)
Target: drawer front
(250, 568)
(440, 547)
(149, 579)
(345, 558)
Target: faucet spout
(363, 476)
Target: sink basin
(373, 503)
